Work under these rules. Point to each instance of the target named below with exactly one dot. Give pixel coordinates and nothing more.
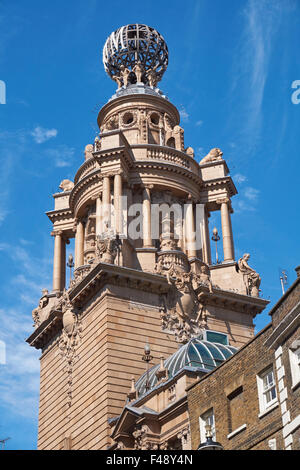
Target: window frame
(203, 422)
(294, 357)
(262, 391)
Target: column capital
(54, 233)
(224, 200)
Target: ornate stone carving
(69, 339)
(79, 274)
(184, 436)
(111, 124)
(139, 434)
(251, 278)
(215, 154)
(97, 144)
(66, 185)
(138, 69)
(124, 72)
(106, 249)
(37, 313)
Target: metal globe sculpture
(135, 53)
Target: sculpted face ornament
(135, 53)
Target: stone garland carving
(69, 339)
(251, 278)
(215, 154)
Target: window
(294, 353)
(236, 409)
(266, 389)
(216, 337)
(207, 418)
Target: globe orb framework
(135, 53)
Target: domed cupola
(197, 355)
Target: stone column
(226, 229)
(147, 239)
(106, 210)
(206, 239)
(98, 216)
(79, 244)
(190, 229)
(117, 202)
(63, 264)
(57, 261)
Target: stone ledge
(237, 431)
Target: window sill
(270, 408)
(236, 431)
(296, 385)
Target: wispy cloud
(239, 178)
(199, 123)
(41, 135)
(184, 115)
(19, 377)
(261, 19)
(62, 156)
(251, 193)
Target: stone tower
(139, 211)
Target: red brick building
(252, 400)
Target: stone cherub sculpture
(251, 278)
(214, 155)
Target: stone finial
(215, 154)
(132, 395)
(162, 372)
(88, 151)
(66, 185)
(190, 152)
(297, 269)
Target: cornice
(46, 330)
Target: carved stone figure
(66, 185)
(37, 313)
(124, 72)
(118, 80)
(190, 151)
(97, 144)
(251, 278)
(214, 155)
(106, 249)
(203, 278)
(152, 77)
(138, 69)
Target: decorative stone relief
(79, 274)
(251, 278)
(107, 248)
(185, 437)
(69, 339)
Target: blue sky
(231, 68)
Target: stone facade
(232, 391)
(128, 290)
